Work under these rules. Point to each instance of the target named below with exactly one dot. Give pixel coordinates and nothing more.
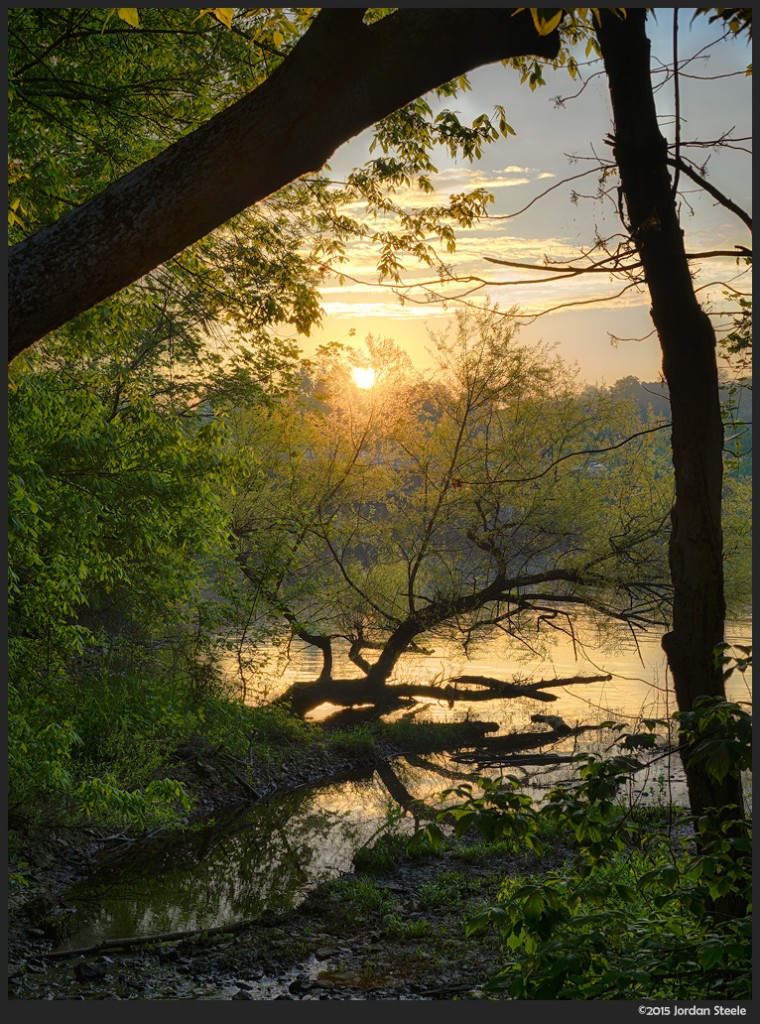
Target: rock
(242, 994)
(300, 984)
(345, 978)
(168, 955)
(90, 972)
(325, 952)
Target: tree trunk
(689, 364)
(318, 640)
(398, 642)
(342, 77)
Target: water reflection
(270, 855)
(267, 856)
(640, 684)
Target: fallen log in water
(532, 690)
(303, 696)
(497, 749)
(483, 760)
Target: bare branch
(574, 455)
(682, 166)
(557, 184)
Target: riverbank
(393, 936)
(395, 927)
(55, 857)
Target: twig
(145, 940)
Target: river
(640, 685)
(270, 855)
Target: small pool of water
(232, 868)
(270, 855)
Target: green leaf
(546, 19)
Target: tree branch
(342, 77)
(684, 168)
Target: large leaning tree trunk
(342, 77)
(690, 367)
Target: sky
(552, 142)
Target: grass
(360, 898)
(407, 931)
(448, 890)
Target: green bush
(638, 911)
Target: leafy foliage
(633, 914)
(475, 499)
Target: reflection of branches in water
(398, 791)
(197, 879)
(497, 752)
(427, 765)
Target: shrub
(637, 912)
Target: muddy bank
(398, 935)
(51, 857)
(394, 937)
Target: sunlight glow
(364, 377)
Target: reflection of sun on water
(364, 377)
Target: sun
(364, 377)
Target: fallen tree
(304, 696)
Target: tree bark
(342, 77)
(318, 640)
(689, 364)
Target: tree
(344, 56)
(689, 364)
(479, 502)
(337, 81)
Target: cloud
(454, 180)
(389, 309)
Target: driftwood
(496, 749)
(484, 760)
(559, 725)
(304, 696)
(532, 690)
(145, 940)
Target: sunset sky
(519, 168)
